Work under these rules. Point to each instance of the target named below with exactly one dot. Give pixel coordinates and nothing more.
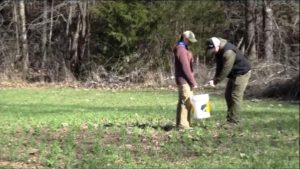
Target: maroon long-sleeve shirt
(183, 66)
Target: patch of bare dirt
(18, 165)
(33, 161)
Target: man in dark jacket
(231, 63)
(184, 79)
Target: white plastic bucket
(201, 106)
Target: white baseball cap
(213, 42)
(190, 36)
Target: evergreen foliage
(122, 30)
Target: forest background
(118, 44)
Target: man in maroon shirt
(184, 79)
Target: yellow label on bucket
(208, 107)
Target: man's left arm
(228, 60)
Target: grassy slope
(90, 128)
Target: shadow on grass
(46, 109)
(255, 118)
(43, 109)
(166, 127)
(40, 109)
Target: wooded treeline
(55, 41)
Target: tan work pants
(184, 106)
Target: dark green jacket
(230, 62)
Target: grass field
(78, 128)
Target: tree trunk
(69, 22)
(88, 31)
(268, 31)
(68, 75)
(16, 23)
(74, 48)
(51, 24)
(79, 39)
(24, 40)
(44, 41)
(83, 9)
(250, 44)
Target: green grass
(78, 128)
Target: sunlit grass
(92, 128)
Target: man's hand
(210, 84)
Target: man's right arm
(228, 60)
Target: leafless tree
(250, 40)
(25, 54)
(44, 38)
(16, 23)
(268, 30)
